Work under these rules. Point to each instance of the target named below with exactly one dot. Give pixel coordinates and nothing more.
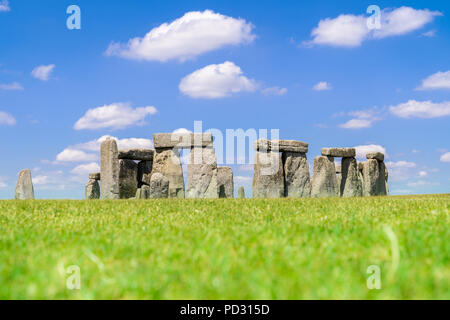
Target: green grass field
(227, 249)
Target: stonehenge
(92, 190)
(281, 169)
(24, 187)
(278, 175)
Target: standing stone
(371, 174)
(202, 174)
(159, 186)
(225, 182)
(92, 190)
(381, 184)
(338, 175)
(268, 178)
(296, 175)
(24, 188)
(360, 175)
(387, 177)
(143, 192)
(350, 184)
(109, 169)
(241, 193)
(128, 183)
(167, 162)
(144, 168)
(324, 181)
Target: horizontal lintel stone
(137, 154)
(281, 145)
(94, 176)
(182, 140)
(375, 155)
(339, 152)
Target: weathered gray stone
(381, 184)
(360, 175)
(109, 169)
(144, 172)
(182, 140)
(324, 180)
(387, 178)
(94, 176)
(370, 177)
(241, 193)
(92, 190)
(202, 174)
(296, 175)
(375, 155)
(339, 152)
(281, 146)
(350, 185)
(137, 154)
(225, 182)
(167, 162)
(128, 183)
(338, 175)
(268, 178)
(24, 187)
(159, 186)
(143, 192)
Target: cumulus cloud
(322, 86)
(421, 109)
(349, 30)
(114, 116)
(85, 169)
(362, 118)
(73, 155)
(439, 80)
(216, 81)
(193, 34)
(11, 86)
(4, 6)
(274, 91)
(362, 150)
(400, 164)
(43, 72)
(7, 119)
(445, 157)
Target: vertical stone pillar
(225, 182)
(324, 180)
(339, 177)
(241, 193)
(24, 187)
(350, 182)
(168, 163)
(128, 182)
(371, 174)
(92, 190)
(202, 174)
(296, 175)
(268, 179)
(109, 169)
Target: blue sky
(313, 70)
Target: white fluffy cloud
(445, 157)
(85, 169)
(400, 164)
(362, 119)
(193, 34)
(349, 30)
(73, 155)
(421, 109)
(12, 86)
(114, 116)
(4, 6)
(362, 150)
(322, 86)
(216, 81)
(6, 118)
(275, 91)
(43, 72)
(439, 80)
